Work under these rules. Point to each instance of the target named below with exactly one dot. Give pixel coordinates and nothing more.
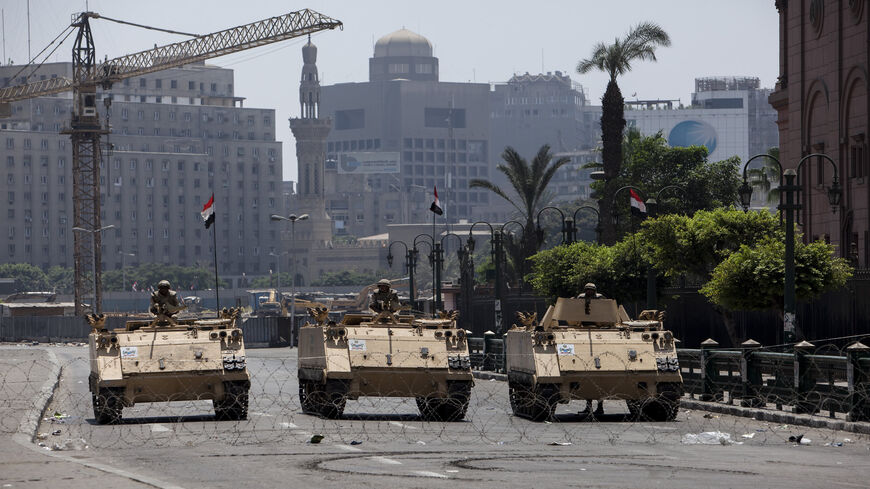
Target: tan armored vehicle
(590, 349)
(386, 355)
(167, 359)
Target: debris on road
(709, 438)
(355, 442)
(69, 444)
(749, 435)
(799, 439)
(41, 436)
(55, 432)
(560, 443)
(316, 439)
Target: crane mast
(86, 131)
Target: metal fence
(809, 379)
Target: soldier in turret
(385, 298)
(590, 292)
(164, 301)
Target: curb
(772, 416)
(30, 421)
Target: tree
(694, 246)
(529, 182)
(148, 275)
(765, 178)
(650, 165)
(28, 278)
(615, 59)
(350, 277)
(619, 271)
(753, 277)
(61, 279)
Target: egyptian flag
(637, 205)
(208, 212)
(436, 204)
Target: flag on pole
(436, 204)
(208, 212)
(637, 204)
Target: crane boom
(85, 129)
(41, 88)
(228, 41)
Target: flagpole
(217, 283)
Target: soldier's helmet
(384, 283)
(590, 286)
(163, 284)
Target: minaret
(310, 132)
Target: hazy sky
(482, 41)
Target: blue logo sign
(693, 133)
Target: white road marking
(158, 428)
(385, 460)
(349, 448)
(426, 473)
(400, 425)
(262, 414)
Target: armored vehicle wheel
(663, 407)
(234, 405)
(326, 400)
(108, 404)
(537, 404)
(450, 408)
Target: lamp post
(566, 227)
(573, 223)
(429, 242)
(97, 306)
(440, 248)
(410, 264)
(278, 266)
(292, 218)
(790, 187)
(651, 206)
(499, 249)
(124, 269)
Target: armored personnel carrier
(590, 349)
(167, 359)
(386, 355)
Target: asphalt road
(382, 442)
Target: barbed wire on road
(276, 414)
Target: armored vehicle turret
(384, 354)
(588, 348)
(168, 359)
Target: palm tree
(766, 178)
(615, 59)
(529, 182)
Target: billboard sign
(369, 162)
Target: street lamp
(410, 264)
(278, 265)
(124, 269)
(573, 222)
(791, 186)
(566, 227)
(429, 242)
(292, 218)
(97, 306)
(651, 207)
(439, 262)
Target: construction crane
(85, 129)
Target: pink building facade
(822, 98)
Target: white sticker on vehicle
(357, 345)
(129, 352)
(566, 349)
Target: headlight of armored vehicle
(668, 364)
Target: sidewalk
(28, 376)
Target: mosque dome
(403, 43)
